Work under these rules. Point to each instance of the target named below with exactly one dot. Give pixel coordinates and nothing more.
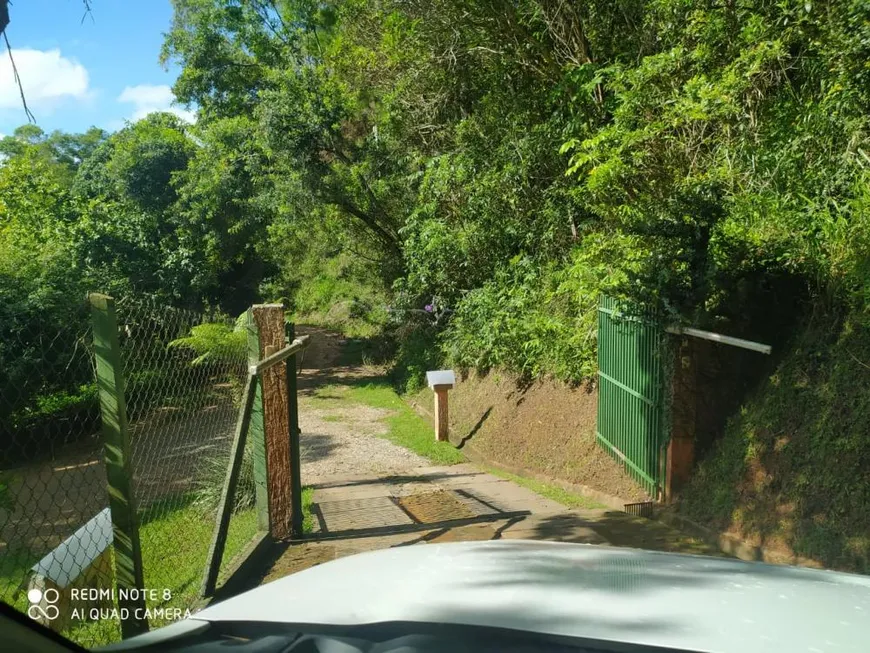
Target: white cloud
(48, 79)
(147, 98)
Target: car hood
(626, 595)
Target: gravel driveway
(341, 442)
(336, 439)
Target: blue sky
(77, 74)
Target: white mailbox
(441, 377)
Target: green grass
(405, 427)
(307, 516)
(174, 540)
(175, 546)
(14, 565)
(333, 418)
(553, 492)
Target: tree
(263, 60)
(223, 210)
(69, 150)
(127, 226)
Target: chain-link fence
(54, 530)
(183, 374)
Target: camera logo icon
(43, 604)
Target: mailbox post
(441, 381)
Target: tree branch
(30, 117)
(4, 23)
(383, 235)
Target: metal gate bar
(630, 394)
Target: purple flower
(428, 308)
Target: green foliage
(144, 158)
(128, 227)
(417, 353)
(325, 276)
(67, 150)
(723, 154)
(63, 400)
(506, 163)
(529, 320)
(225, 203)
(215, 342)
(335, 299)
(211, 482)
(791, 468)
(41, 293)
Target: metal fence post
(256, 431)
(295, 456)
(129, 576)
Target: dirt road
(370, 493)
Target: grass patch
(307, 516)
(14, 565)
(175, 539)
(552, 492)
(405, 427)
(329, 397)
(333, 418)
(175, 547)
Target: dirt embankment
(791, 473)
(546, 428)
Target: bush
(530, 320)
(56, 419)
(337, 297)
(216, 342)
(210, 484)
(417, 353)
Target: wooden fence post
(256, 431)
(295, 454)
(442, 418)
(269, 319)
(228, 493)
(681, 445)
(119, 470)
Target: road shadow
(394, 479)
(617, 529)
(315, 446)
(311, 381)
(386, 515)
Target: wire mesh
(183, 376)
(55, 533)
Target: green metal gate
(631, 394)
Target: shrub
(215, 342)
(210, 484)
(530, 320)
